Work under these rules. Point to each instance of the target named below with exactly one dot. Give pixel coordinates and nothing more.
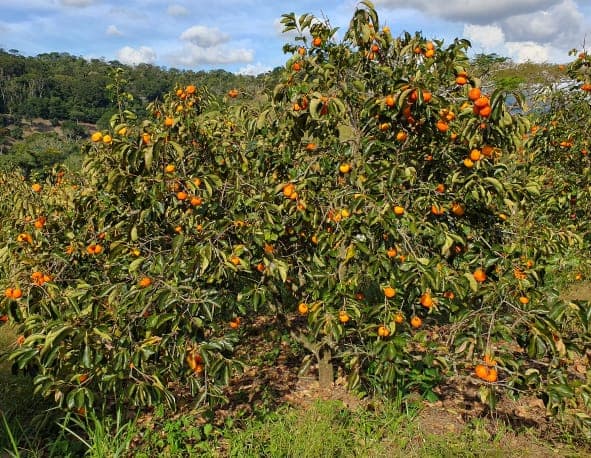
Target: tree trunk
(325, 369)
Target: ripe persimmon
(416, 322)
(398, 210)
(344, 316)
(479, 275)
(426, 300)
(389, 292)
(383, 331)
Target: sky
(244, 36)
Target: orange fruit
(235, 260)
(442, 126)
(288, 189)
(398, 210)
(479, 275)
(492, 376)
(107, 139)
(40, 222)
(392, 252)
(196, 201)
(416, 322)
(457, 209)
(303, 308)
(437, 210)
(344, 317)
(399, 318)
(144, 282)
(389, 292)
(461, 80)
(168, 121)
(440, 188)
(475, 154)
(24, 237)
(390, 101)
(426, 300)
(430, 53)
(468, 163)
(485, 112)
(524, 300)
(449, 295)
(232, 93)
(190, 89)
(482, 101)
(401, 136)
(296, 67)
(474, 93)
(481, 371)
(344, 168)
(235, 323)
(181, 195)
(36, 187)
(383, 331)
(317, 41)
(96, 137)
(170, 168)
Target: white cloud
(133, 56)
(113, 31)
(254, 70)
(562, 24)
(486, 36)
(77, 3)
(177, 10)
(472, 11)
(528, 51)
(193, 55)
(204, 37)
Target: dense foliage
(407, 216)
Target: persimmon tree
(378, 191)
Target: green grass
(328, 429)
(322, 429)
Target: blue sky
(245, 35)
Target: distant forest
(59, 86)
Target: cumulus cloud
(135, 56)
(113, 31)
(488, 36)
(77, 3)
(177, 10)
(472, 11)
(193, 55)
(562, 25)
(204, 37)
(528, 51)
(254, 69)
